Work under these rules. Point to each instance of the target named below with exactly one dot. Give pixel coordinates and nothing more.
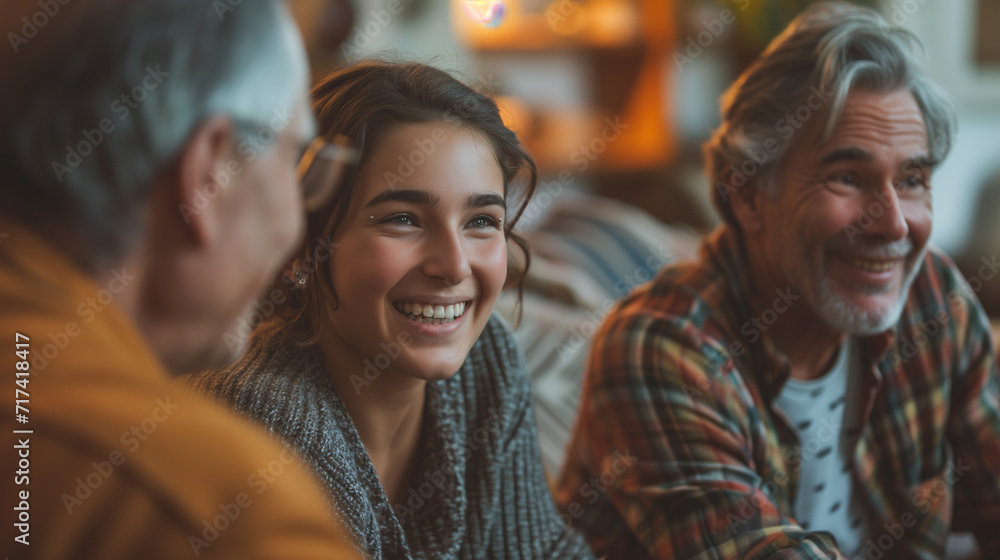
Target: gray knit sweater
(480, 490)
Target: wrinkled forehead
(890, 120)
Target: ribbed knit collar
(292, 384)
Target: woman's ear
(296, 271)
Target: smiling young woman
(386, 368)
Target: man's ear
(746, 205)
(201, 162)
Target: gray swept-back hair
(809, 70)
(104, 94)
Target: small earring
(300, 278)
(371, 217)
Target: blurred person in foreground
(820, 383)
(148, 194)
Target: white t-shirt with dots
(826, 413)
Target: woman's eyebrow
(480, 200)
(412, 196)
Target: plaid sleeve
(974, 424)
(670, 399)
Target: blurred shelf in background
(605, 66)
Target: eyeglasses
(321, 169)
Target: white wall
(421, 31)
(947, 28)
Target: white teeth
(432, 314)
(873, 266)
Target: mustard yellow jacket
(112, 460)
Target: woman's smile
(432, 314)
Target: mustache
(870, 249)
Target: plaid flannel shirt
(682, 386)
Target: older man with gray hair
(148, 194)
(820, 384)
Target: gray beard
(841, 315)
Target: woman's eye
(484, 221)
(400, 220)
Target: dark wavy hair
(365, 103)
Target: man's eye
(910, 183)
(846, 179)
